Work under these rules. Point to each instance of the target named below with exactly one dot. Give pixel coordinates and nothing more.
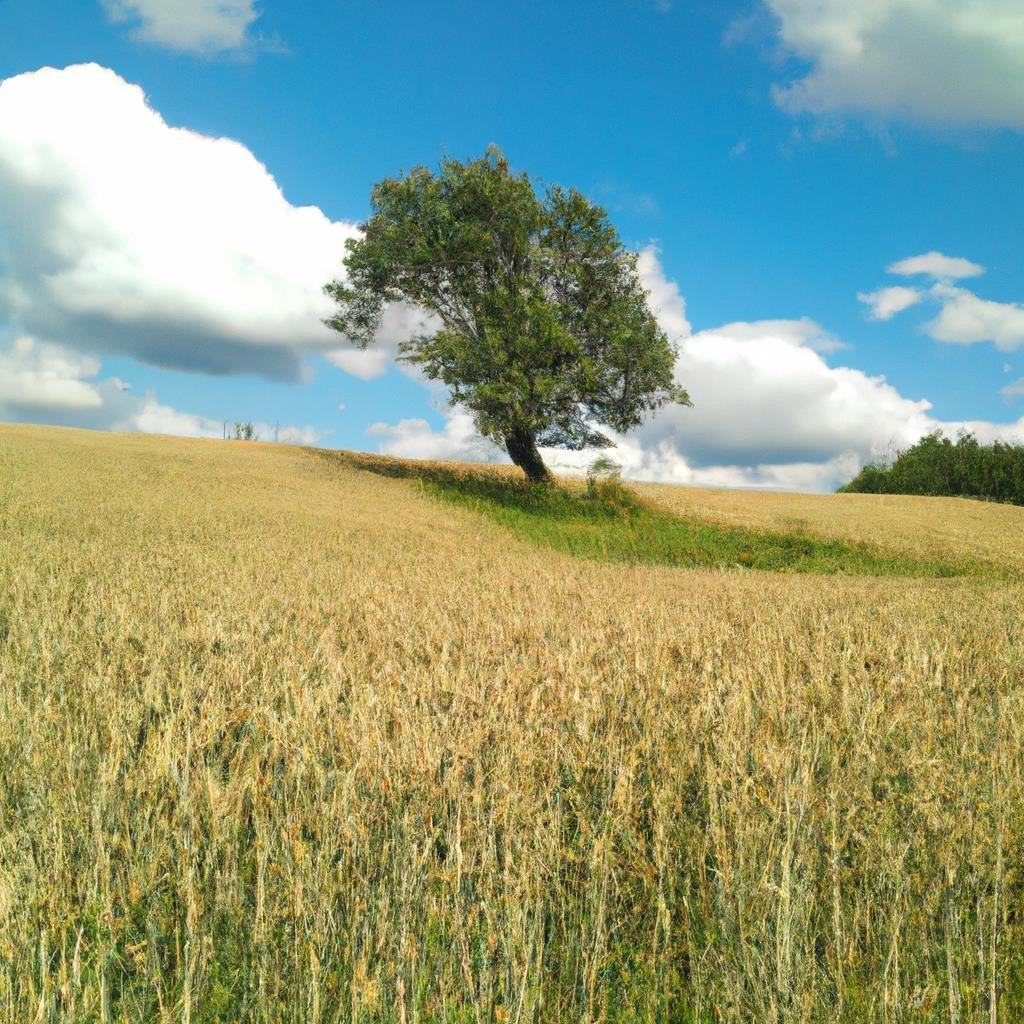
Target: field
(951, 528)
(284, 738)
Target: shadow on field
(607, 521)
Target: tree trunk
(522, 449)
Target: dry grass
(948, 528)
(286, 741)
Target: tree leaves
(545, 330)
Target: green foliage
(245, 431)
(941, 467)
(544, 326)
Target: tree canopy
(542, 326)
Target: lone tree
(544, 328)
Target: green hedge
(938, 465)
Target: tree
(543, 328)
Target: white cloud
(769, 411)
(129, 236)
(43, 382)
(401, 320)
(935, 264)
(763, 397)
(36, 377)
(196, 26)
(663, 298)
(1014, 390)
(803, 332)
(666, 464)
(966, 319)
(887, 302)
(292, 435)
(416, 439)
(951, 61)
(150, 417)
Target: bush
(604, 479)
(939, 466)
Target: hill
(948, 528)
(288, 739)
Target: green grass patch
(611, 523)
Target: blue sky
(771, 159)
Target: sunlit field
(951, 528)
(284, 737)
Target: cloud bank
(46, 383)
(131, 237)
(769, 411)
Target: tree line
(940, 466)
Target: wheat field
(950, 528)
(285, 740)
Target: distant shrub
(245, 431)
(940, 466)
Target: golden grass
(947, 528)
(282, 740)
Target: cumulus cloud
(769, 411)
(417, 439)
(964, 318)
(935, 264)
(150, 417)
(666, 464)
(887, 302)
(805, 332)
(128, 236)
(36, 377)
(192, 26)
(663, 296)
(44, 382)
(763, 397)
(944, 61)
(401, 320)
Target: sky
(827, 197)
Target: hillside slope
(952, 528)
(286, 740)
